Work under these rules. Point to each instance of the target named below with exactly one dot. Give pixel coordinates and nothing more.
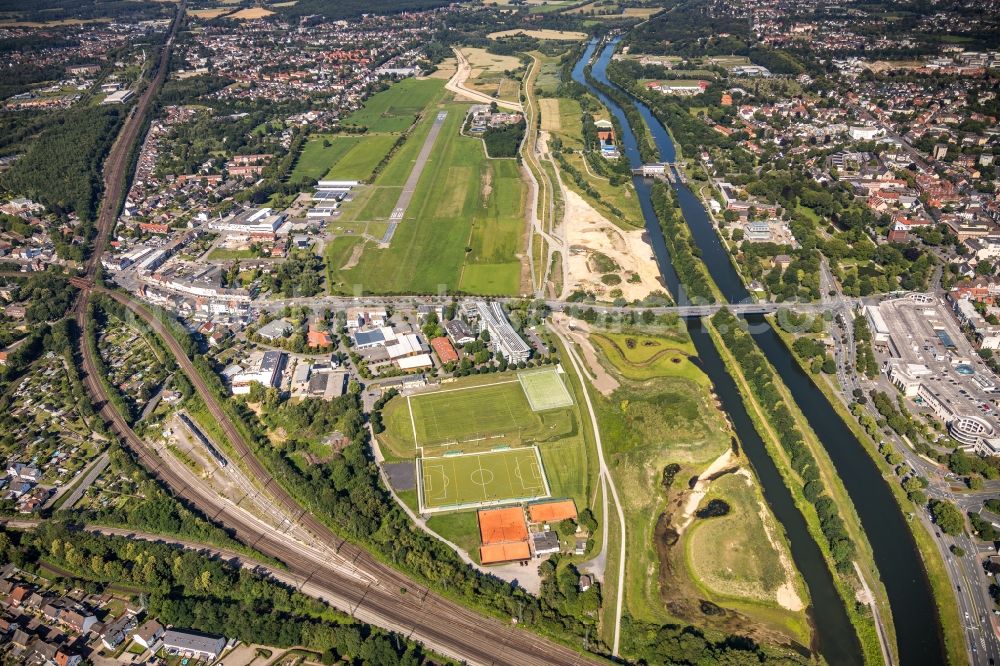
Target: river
(914, 614)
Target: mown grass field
(463, 228)
(481, 478)
(348, 157)
(469, 416)
(395, 109)
(316, 159)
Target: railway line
(393, 601)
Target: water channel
(913, 610)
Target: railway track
(394, 601)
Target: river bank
(951, 622)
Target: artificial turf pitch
(481, 479)
(544, 389)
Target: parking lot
(925, 336)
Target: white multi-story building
(504, 338)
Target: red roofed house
(317, 338)
(154, 228)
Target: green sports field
(481, 479)
(470, 415)
(544, 389)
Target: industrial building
(265, 370)
(263, 221)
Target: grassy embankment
(941, 587)
(664, 413)
(863, 622)
(562, 119)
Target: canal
(914, 614)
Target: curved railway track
(394, 601)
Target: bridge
(688, 310)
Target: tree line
(191, 590)
(763, 384)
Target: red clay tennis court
(504, 552)
(552, 512)
(502, 525)
(444, 349)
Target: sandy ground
(701, 489)
(549, 108)
(482, 61)
(541, 34)
(587, 230)
(786, 595)
(579, 332)
(456, 84)
(209, 13)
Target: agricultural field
(395, 109)
(480, 479)
(663, 418)
(566, 35)
(489, 73)
(134, 367)
(463, 228)
(41, 421)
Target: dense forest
(691, 271)
(57, 10)
(344, 9)
(504, 141)
(188, 589)
(62, 166)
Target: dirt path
(701, 489)
(456, 84)
(597, 375)
(355, 257)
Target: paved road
(410, 186)
(688, 310)
(608, 484)
(456, 84)
(98, 466)
(965, 573)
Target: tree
(947, 516)
(566, 528)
